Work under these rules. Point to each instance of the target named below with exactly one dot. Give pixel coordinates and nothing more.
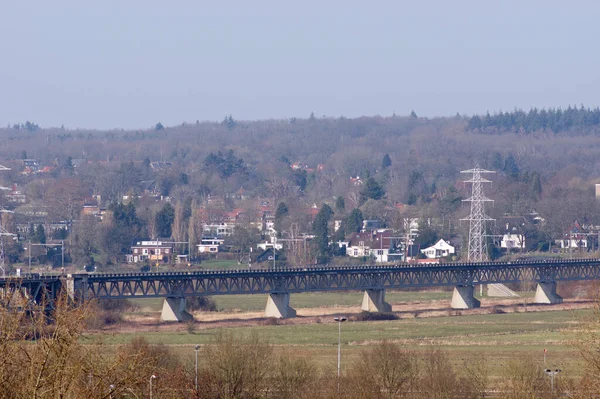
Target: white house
(440, 249)
(513, 241)
(210, 245)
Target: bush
(115, 305)
(204, 303)
(373, 316)
(271, 321)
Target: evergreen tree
(280, 214)
(413, 114)
(510, 166)
(40, 234)
(340, 204)
(371, 189)
(354, 222)
(386, 162)
(164, 220)
(321, 231)
(159, 126)
(536, 185)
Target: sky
(130, 64)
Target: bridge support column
(174, 310)
(77, 287)
(546, 293)
(278, 306)
(374, 301)
(462, 298)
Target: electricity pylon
(477, 218)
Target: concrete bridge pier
(174, 310)
(546, 293)
(278, 306)
(462, 298)
(374, 301)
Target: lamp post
(197, 348)
(111, 389)
(151, 378)
(339, 320)
(552, 373)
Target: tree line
(553, 119)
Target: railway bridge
(279, 284)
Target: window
(145, 252)
(158, 251)
(380, 252)
(356, 252)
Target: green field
(497, 337)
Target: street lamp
(339, 320)
(151, 378)
(197, 348)
(552, 373)
(111, 390)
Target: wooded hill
(546, 160)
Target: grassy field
(253, 303)
(498, 337)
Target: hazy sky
(130, 64)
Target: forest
(547, 162)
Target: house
(512, 236)
(374, 244)
(210, 245)
(356, 181)
(30, 166)
(267, 256)
(440, 249)
(148, 187)
(266, 245)
(512, 241)
(15, 196)
(372, 224)
(150, 250)
(575, 237)
(158, 166)
(223, 229)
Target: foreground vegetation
(62, 354)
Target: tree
(371, 189)
(321, 230)
(393, 372)
(159, 126)
(122, 229)
(354, 222)
(281, 213)
(242, 240)
(413, 114)
(164, 220)
(510, 166)
(40, 234)
(536, 185)
(340, 204)
(238, 368)
(386, 162)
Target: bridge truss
(287, 281)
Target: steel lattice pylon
(477, 218)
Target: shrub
(373, 316)
(204, 303)
(271, 321)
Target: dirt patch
(207, 320)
